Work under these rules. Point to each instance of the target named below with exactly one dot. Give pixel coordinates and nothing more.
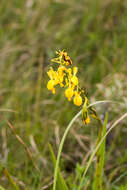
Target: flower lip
(77, 99)
(50, 86)
(74, 80)
(87, 120)
(69, 93)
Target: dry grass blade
(7, 174)
(79, 140)
(4, 144)
(36, 151)
(47, 186)
(24, 145)
(7, 110)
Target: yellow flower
(69, 93)
(69, 71)
(61, 74)
(87, 120)
(75, 70)
(60, 53)
(61, 70)
(74, 80)
(50, 86)
(53, 90)
(52, 74)
(77, 99)
(67, 59)
(85, 116)
(62, 58)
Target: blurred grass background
(94, 33)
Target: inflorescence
(66, 77)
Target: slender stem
(61, 146)
(64, 137)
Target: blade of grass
(6, 173)
(1, 188)
(119, 178)
(8, 110)
(97, 147)
(61, 184)
(97, 183)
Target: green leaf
(97, 183)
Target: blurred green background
(94, 33)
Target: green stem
(61, 147)
(64, 137)
(97, 183)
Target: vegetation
(33, 121)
